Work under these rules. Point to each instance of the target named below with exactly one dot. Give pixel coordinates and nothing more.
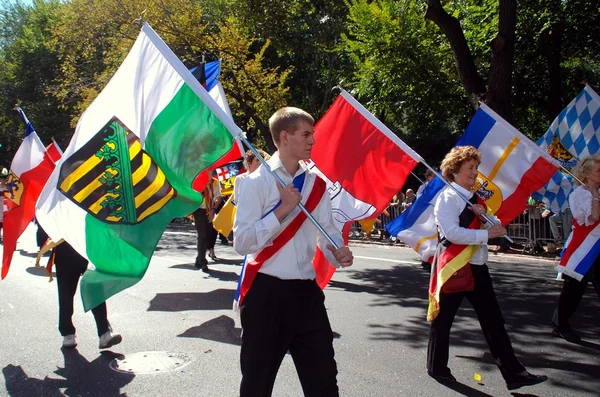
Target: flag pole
(282, 183)
(486, 216)
(573, 176)
(419, 179)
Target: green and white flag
(140, 155)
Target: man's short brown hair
(286, 119)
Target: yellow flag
(223, 222)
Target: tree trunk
(552, 42)
(450, 26)
(499, 92)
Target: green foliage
(405, 74)
(304, 35)
(57, 55)
(28, 65)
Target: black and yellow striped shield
(113, 179)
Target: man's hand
(290, 196)
(343, 255)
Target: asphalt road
(377, 310)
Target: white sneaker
(108, 339)
(69, 341)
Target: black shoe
(205, 268)
(518, 381)
(201, 265)
(443, 379)
(567, 334)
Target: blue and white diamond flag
(573, 135)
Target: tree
(404, 74)
(305, 36)
(499, 83)
(27, 67)
(94, 36)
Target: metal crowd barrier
(531, 232)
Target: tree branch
(450, 27)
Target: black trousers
(281, 315)
(203, 232)
(483, 299)
(571, 294)
(67, 278)
(212, 236)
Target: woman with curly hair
(452, 219)
(585, 208)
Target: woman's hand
(496, 231)
(478, 209)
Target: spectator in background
(560, 226)
(252, 163)
(410, 198)
(203, 216)
(3, 178)
(429, 175)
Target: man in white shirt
(284, 308)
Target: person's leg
(570, 296)
(67, 278)
(312, 348)
(595, 277)
(439, 334)
(266, 335)
(101, 317)
(554, 220)
(567, 223)
(200, 223)
(212, 237)
(484, 302)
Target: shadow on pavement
(527, 296)
(465, 390)
(29, 254)
(221, 275)
(79, 377)
(219, 299)
(38, 271)
(221, 329)
(185, 266)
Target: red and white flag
(30, 169)
(364, 164)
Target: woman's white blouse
(580, 201)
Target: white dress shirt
(254, 231)
(448, 208)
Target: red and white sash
(253, 262)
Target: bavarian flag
(140, 156)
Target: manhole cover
(149, 362)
